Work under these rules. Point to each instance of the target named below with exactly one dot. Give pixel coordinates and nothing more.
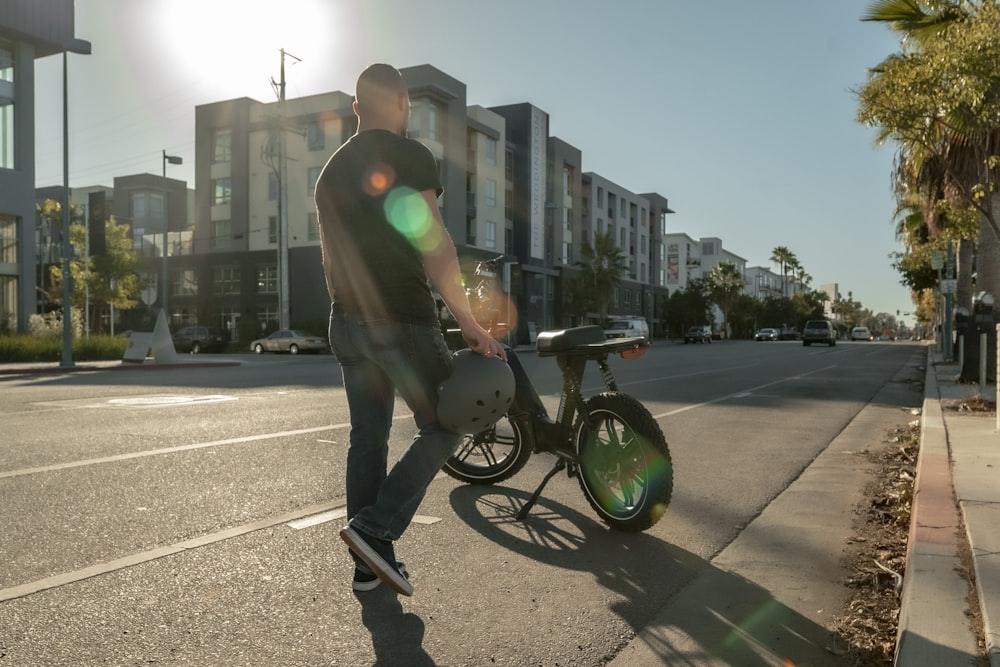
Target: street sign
(949, 286)
(937, 260)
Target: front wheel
(491, 456)
(625, 468)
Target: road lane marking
(167, 450)
(171, 400)
(131, 560)
(180, 448)
(737, 394)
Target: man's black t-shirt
(374, 224)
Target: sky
(741, 113)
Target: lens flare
(408, 212)
(378, 180)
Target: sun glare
(236, 43)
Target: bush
(29, 348)
(51, 324)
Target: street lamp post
(172, 159)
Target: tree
(784, 258)
(601, 270)
(111, 278)
(725, 283)
(940, 100)
(688, 307)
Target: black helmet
(477, 394)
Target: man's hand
(479, 340)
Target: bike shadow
(712, 615)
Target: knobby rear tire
(625, 468)
(492, 456)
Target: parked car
(698, 334)
(289, 340)
(819, 331)
(766, 334)
(195, 339)
(861, 333)
(627, 327)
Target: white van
(627, 327)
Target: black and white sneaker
(378, 555)
(366, 581)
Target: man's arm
(441, 263)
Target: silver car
(289, 340)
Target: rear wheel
(258, 348)
(293, 349)
(195, 347)
(491, 456)
(625, 468)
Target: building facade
(28, 30)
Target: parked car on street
(289, 340)
(195, 339)
(819, 331)
(766, 334)
(698, 334)
(861, 333)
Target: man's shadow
(397, 637)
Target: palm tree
(783, 257)
(944, 113)
(725, 283)
(601, 270)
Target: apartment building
(28, 30)
(763, 283)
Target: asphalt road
(191, 516)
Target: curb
(933, 629)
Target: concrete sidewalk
(956, 498)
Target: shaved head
(379, 89)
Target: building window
(221, 234)
(7, 137)
(566, 249)
(312, 227)
(222, 191)
(8, 302)
(567, 177)
(8, 239)
(491, 234)
(621, 238)
(222, 146)
(267, 280)
(600, 197)
(272, 186)
(316, 136)
(624, 207)
(226, 280)
(491, 151)
(267, 318)
(312, 176)
(6, 61)
(508, 167)
(508, 241)
(600, 225)
(491, 193)
(432, 123)
(708, 248)
(470, 231)
(272, 229)
(183, 283)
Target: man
(382, 237)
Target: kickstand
(523, 512)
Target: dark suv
(199, 339)
(698, 334)
(819, 331)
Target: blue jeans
(378, 358)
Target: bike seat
(550, 343)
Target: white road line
(168, 450)
(739, 393)
(160, 552)
(180, 448)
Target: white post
(982, 364)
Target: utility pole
(283, 306)
(67, 306)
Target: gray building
(29, 29)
